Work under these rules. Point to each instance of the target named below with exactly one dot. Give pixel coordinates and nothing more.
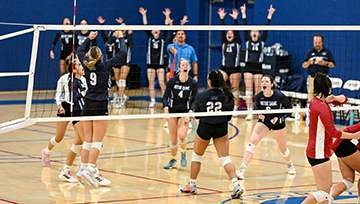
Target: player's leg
(151, 79)
(280, 137)
(173, 125)
(182, 132)
(248, 78)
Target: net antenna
(73, 64)
(28, 120)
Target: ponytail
(217, 80)
(95, 57)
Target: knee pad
(97, 145)
(225, 160)
(173, 146)
(184, 141)
(348, 184)
(250, 147)
(248, 94)
(286, 153)
(236, 94)
(87, 146)
(75, 148)
(53, 141)
(121, 83)
(195, 157)
(321, 196)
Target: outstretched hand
(101, 20)
(234, 14)
(142, 11)
(93, 35)
(271, 9)
(221, 13)
(119, 20)
(243, 9)
(167, 12)
(184, 20)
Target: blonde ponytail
(95, 56)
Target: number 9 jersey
(213, 100)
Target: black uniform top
(80, 38)
(230, 50)
(66, 42)
(78, 94)
(277, 101)
(254, 50)
(98, 78)
(129, 41)
(179, 95)
(213, 100)
(155, 53)
(110, 48)
(325, 54)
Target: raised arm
(243, 15)
(184, 20)
(122, 52)
(143, 13)
(234, 15)
(222, 15)
(168, 20)
(271, 12)
(102, 32)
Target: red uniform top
(351, 129)
(321, 129)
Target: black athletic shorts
(75, 113)
(314, 162)
(155, 66)
(94, 108)
(277, 126)
(345, 148)
(207, 131)
(253, 68)
(230, 70)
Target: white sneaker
(152, 104)
(120, 103)
(249, 117)
(240, 173)
(166, 125)
(66, 176)
(190, 126)
(101, 180)
(291, 168)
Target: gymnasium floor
(133, 155)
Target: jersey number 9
(213, 107)
(93, 79)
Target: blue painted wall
(15, 54)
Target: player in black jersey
(155, 55)
(269, 99)
(63, 101)
(97, 74)
(216, 99)
(179, 98)
(121, 69)
(230, 63)
(66, 37)
(253, 58)
(82, 35)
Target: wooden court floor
(133, 155)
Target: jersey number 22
(213, 107)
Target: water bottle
(351, 120)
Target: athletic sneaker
(66, 176)
(101, 180)
(192, 190)
(45, 158)
(166, 125)
(81, 179)
(240, 173)
(152, 104)
(249, 117)
(172, 164)
(237, 192)
(89, 176)
(291, 168)
(184, 161)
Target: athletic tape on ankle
(76, 148)
(173, 146)
(225, 160)
(250, 147)
(195, 157)
(97, 145)
(286, 153)
(348, 184)
(53, 141)
(87, 146)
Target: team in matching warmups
(90, 85)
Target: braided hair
(95, 57)
(217, 81)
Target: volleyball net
(31, 90)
